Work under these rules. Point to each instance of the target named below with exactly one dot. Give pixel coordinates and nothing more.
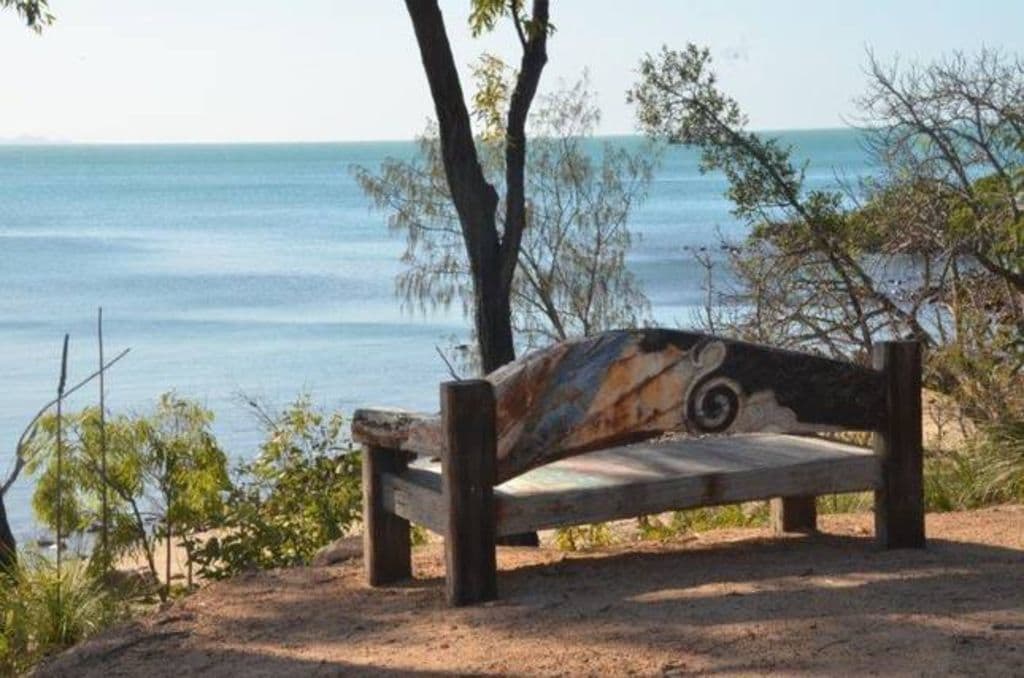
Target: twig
(60, 458)
(105, 508)
(143, 638)
(140, 516)
(837, 641)
(451, 370)
(29, 432)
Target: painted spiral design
(713, 404)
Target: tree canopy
(35, 13)
(932, 247)
(571, 278)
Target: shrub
(582, 537)
(163, 478)
(1003, 446)
(849, 502)
(302, 491)
(752, 514)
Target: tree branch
(531, 66)
(26, 435)
(475, 199)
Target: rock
(338, 551)
(137, 580)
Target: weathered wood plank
(661, 476)
(618, 501)
(396, 429)
(627, 385)
(416, 496)
(653, 461)
(794, 514)
(899, 500)
(386, 544)
(467, 489)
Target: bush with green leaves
(678, 523)
(584, 537)
(162, 476)
(81, 476)
(301, 492)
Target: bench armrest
(398, 430)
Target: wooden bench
(576, 434)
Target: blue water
(260, 269)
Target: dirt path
(729, 602)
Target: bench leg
(899, 499)
(794, 514)
(386, 540)
(468, 470)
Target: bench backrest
(627, 385)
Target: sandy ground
(732, 602)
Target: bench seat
(647, 478)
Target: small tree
(165, 473)
(22, 453)
(571, 278)
(82, 483)
(931, 248)
(678, 99)
(186, 471)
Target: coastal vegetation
(168, 483)
(163, 477)
(44, 609)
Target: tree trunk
(492, 259)
(493, 320)
(167, 560)
(474, 198)
(8, 546)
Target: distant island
(31, 140)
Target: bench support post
(794, 514)
(468, 471)
(386, 541)
(899, 499)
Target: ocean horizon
(34, 140)
(259, 268)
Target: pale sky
(310, 70)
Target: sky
(341, 70)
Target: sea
(260, 270)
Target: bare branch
(29, 432)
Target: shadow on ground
(732, 602)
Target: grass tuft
(42, 613)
